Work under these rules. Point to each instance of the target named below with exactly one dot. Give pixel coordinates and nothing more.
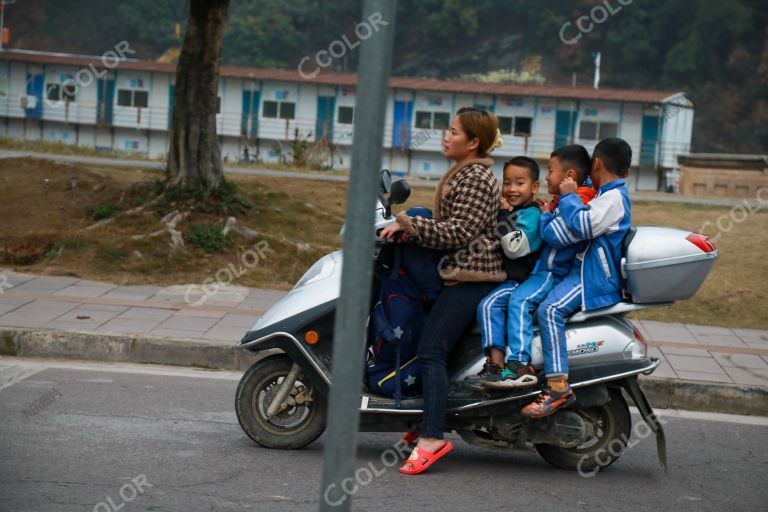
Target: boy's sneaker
(515, 375)
(489, 370)
(548, 402)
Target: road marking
(10, 375)
(99, 366)
(708, 416)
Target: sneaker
(548, 402)
(515, 375)
(488, 371)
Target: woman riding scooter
(464, 225)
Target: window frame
(351, 117)
(132, 92)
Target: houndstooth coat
(463, 224)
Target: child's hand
(504, 205)
(568, 186)
(543, 206)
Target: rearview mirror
(386, 180)
(399, 192)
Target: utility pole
(357, 273)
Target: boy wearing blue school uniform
(506, 315)
(594, 280)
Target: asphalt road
(107, 437)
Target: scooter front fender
(289, 345)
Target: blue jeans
(452, 313)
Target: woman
(464, 225)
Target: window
(436, 120)
(132, 98)
(61, 92)
(345, 115)
(281, 109)
(523, 126)
(595, 130)
(520, 126)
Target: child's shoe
(489, 370)
(515, 375)
(548, 402)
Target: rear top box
(664, 264)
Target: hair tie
(497, 142)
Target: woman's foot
(426, 453)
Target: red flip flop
(421, 459)
(410, 438)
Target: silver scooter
(281, 399)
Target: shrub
(104, 211)
(208, 237)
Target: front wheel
(612, 428)
(302, 417)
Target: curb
(662, 393)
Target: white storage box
(664, 264)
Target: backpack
(406, 293)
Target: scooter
(281, 399)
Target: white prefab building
(126, 106)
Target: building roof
(349, 79)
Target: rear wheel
(302, 418)
(613, 426)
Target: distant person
(595, 280)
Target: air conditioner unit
(29, 102)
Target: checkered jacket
(463, 224)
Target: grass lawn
(42, 231)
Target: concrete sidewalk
(70, 317)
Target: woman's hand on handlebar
(389, 231)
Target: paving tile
(757, 344)
(126, 326)
(6, 307)
(97, 316)
(709, 329)
(146, 314)
(16, 319)
(665, 370)
(47, 309)
(227, 333)
(176, 333)
(694, 364)
(104, 307)
(711, 377)
(765, 358)
(45, 284)
(236, 320)
(749, 376)
(70, 325)
(132, 292)
(720, 339)
(680, 351)
(201, 312)
(77, 290)
(189, 323)
(740, 360)
(668, 332)
(752, 335)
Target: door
(249, 124)
(105, 100)
(171, 93)
(324, 122)
(650, 140)
(401, 127)
(565, 121)
(35, 85)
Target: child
(595, 280)
(518, 230)
(552, 265)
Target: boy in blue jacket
(506, 315)
(594, 280)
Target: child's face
(555, 175)
(456, 146)
(518, 188)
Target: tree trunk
(194, 156)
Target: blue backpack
(406, 293)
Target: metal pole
(352, 311)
